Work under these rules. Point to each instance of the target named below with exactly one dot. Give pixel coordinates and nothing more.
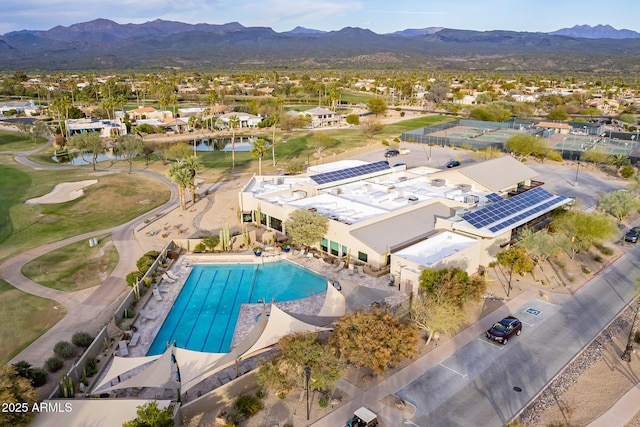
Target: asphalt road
(475, 386)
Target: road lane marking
(453, 370)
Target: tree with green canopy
(377, 106)
(88, 141)
(433, 318)
(129, 146)
(259, 149)
(451, 286)
(149, 415)
(305, 227)
(584, 229)
(285, 371)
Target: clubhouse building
(405, 220)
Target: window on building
(263, 218)
(345, 250)
(247, 217)
(324, 244)
(334, 248)
(275, 223)
(363, 257)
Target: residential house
(106, 128)
(322, 117)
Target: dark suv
(632, 235)
(504, 329)
(392, 153)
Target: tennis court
(584, 143)
(486, 135)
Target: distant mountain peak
(410, 32)
(303, 30)
(596, 32)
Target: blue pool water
(204, 316)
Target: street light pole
(400, 275)
(577, 170)
(307, 376)
(510, 277)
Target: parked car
(363, 417)
(391, 153)
(405, 151)
(453, 163)
(632, 235)
(505, 329)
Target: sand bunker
(63, 192)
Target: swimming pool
(204, 316)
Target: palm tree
(258, 150)
(234, 123)
(275, 118)
(193, 165)
(182, 177)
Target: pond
(224, 144)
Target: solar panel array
(339, 175)
(507, 212)
(493, 197)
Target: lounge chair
(147, 316)
(164, 288)
(340, 267)
(134, 339)
(351, 268)
(156, 294)
(171, 275)
(360, 271)
(122, 347)
(167, 278)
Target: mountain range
(102, 44)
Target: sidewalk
(622, 412)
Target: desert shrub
(294, 167)
(353, 119)
(133, 277)
(323, 403)
(247, 405)
(152, 254)
(38, 377)
(627, 171)
(128, 313)
(22, 368)
(90, 368)
(200, 247)
(597, 258)
(144, 264)
(260, 394)
(64, 349)
(82, 339)
(604, 250)
(636, 336)
(54, 364)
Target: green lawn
(115, 199)
(13, 141)
(75, 266)
(24, 318)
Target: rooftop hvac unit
(336, 191)
(280, 181)
(465, 188)
(438, 182)
(471, 198)
(412, 200)
(402, 179)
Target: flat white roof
(436, 248)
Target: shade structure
(158, 374)
(121, 365)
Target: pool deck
(359, 291)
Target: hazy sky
(380, 16)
